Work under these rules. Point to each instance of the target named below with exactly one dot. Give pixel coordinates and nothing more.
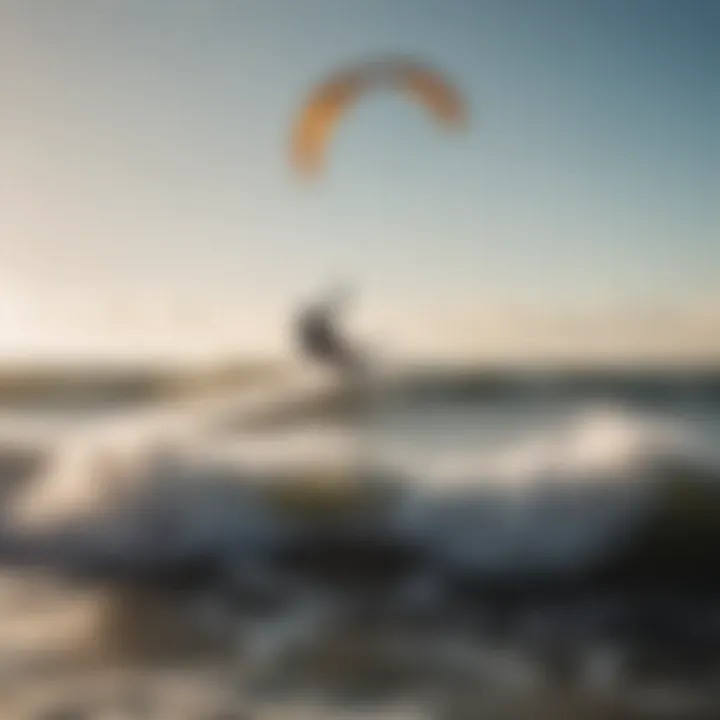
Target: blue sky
(146, 193)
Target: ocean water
(541, 554)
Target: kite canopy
(320, 115)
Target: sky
(148, 205)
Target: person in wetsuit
(320, 339)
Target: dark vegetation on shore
(26, 384)
(642, 384)
(57, 385)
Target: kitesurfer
(320, 338)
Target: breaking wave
(587, 541)
(567, 497)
